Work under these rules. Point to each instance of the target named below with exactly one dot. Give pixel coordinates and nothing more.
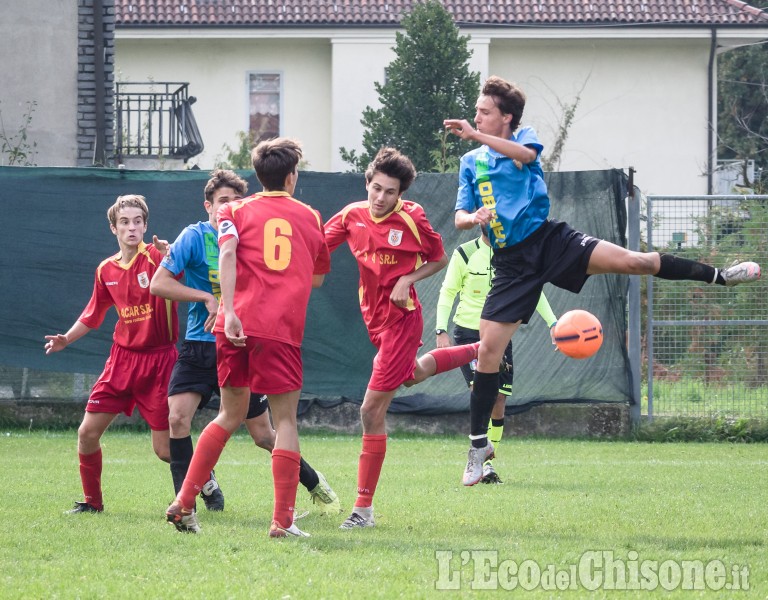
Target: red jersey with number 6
(386, 248)
(144, 321)
(280, 246)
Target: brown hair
(392, 163)
(129, 200)
(509, 98)
(225, 178)
(273, 160)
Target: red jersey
(386, 248)
(280, 247)
(144, 321)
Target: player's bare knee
(642, 263)
(179, 425)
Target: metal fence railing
(707, 345)
(155, 120)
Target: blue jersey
(515, 195)
(196, 252)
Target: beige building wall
(642, 104)
(643, 99)
(217, 72)
(38, 46)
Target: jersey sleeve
(527, 137)
(96, 309)
(431, 241)
(180, 253)
(335, 231)
(226, 223)
(448, 291)
(465, 198)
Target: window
(264, 105)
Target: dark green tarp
(57, 233)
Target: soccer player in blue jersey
(501, 184)
(194, 378)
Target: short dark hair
(508, 97)
(392, 163)
(273, 160)
(225, 178)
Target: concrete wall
(38, 43)
(548, 420)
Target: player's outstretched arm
(513, 150)
(59, 341)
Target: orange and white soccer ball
(578, 334)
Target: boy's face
(383, 193)
(489, 119)
(130, 227)
(221, 196)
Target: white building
(644, 71)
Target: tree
(428, 81)
(742, 126)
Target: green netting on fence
(57, 233)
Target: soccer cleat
(475, 459)
(184, 519)
(324, 497)
(489, 474)
(360, 517)
(83, 507)
(212, 494)
(275, 531)
(741, 273)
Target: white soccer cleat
(360, 517)
(741, 272)
(475, 459)
(276, 531)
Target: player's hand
(213, 309)
(443, 340)
(401, 293)
(163, 246)
(482, 216)
(233, 330)
(552, 336)
(55, 343)
(460, 128)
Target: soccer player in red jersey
(144, 348)
(395, 246)
(272, 247)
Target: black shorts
(463, 336)
(195, 371)
(555, 253)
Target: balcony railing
(155, 120)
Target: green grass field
(565, 510)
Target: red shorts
(395, 361)
(131, 379)
(263, 365)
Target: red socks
(285, 477)
(90, 475)
(369, 467)
(453, 357)
(209, 448)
